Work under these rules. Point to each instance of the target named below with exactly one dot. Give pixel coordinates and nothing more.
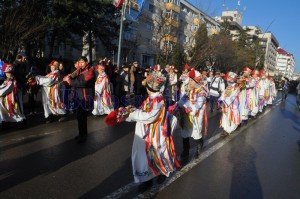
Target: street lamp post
(121, 33)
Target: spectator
(32, 89)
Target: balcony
(172, 22)
(172, 6)
(215, 31)
(170, 38)
(197, 21)
(133, 5)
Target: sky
(282, 18)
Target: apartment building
(268, 42)
(285, 63)
(160, 26)
(152, 30)
(235, 19)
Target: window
(177, 2)
(151, 8)
(56, 50)
(149, 42)
(149, 26)
(195, 27)
(187, 39)
(130, 36)
(146, 60)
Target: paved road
(260, 160)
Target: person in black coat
(83, 81)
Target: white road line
(205, 154)
(20, 139)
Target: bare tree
(20, 25)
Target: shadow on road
(110, 184)
(51, 159)
(245, 182)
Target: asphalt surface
(260, 160)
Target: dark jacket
(84, 82)
(20, 74)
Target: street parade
(169, 103)
(141, 99)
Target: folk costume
(172, 76)
(273, 91)
(263, 90)
(153, 151)
(51, 98)
(103, 99)
(230, 110)
(254, 98)
(246, 86)
(205, 80)
(193, 113)
(10, 108)
(184, 78)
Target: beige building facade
(160, 26)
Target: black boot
(186, 148)
(5, 126)
(144, 186)
(199, 147)
(49, 119)
(161, 178)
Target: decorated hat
(54, 63)
(172, 67)
(7, 68)
(232, 76)
(186, 67)
(154, 81)
(262, 73)
(101, 65)
(156, 67)
(246, 70)
(195, 75)
(255, 72)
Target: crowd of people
(158, 99)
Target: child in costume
(10, 101)
(102, 102)
(51, 93)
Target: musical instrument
(118, 115)
(242, 82)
